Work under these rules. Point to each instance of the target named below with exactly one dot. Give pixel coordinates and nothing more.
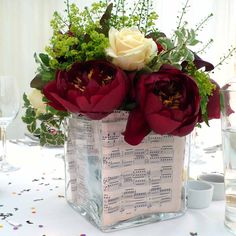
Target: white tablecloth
(34, 195)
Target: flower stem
(182, 14)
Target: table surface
(34, 196)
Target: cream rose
(35, 98)
(129, 49)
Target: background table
(34, 195)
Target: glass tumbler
(228, 128)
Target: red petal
(162, 124)
(186, 129)
(213, 106)
(136, 128)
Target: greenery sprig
(46, 126)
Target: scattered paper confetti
(59, 178)
(33, 210)
(38, 199)
(83, 235)
(40, 226)
(35, 180)
(1, 226)
(14, 224)
(16, 209)
(29, 222)
(61, 196)
(193, 234)
(3, 216)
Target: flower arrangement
(107, 58)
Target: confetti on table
(29, 222)
(61, 196)
(14, 224)
(35, 180)
(59, 178)
(40, 226)
(13, 193)
(16, 209)
(39, 199)
(33, 210)
(193, 234)
(83, 235)
(1, 226)
(3, 216)
(9, 183)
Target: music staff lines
(123, 158)
(130, 199)
(138, 177)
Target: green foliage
(205, 86)
(82, 35)
(46, 126)
(141, 15)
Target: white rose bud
(35, 98)
(129, 49)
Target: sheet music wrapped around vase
(116, 185)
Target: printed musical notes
(128, 180)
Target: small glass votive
(228, 128)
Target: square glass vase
(116, 185)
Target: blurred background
(25, 29)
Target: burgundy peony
(169, 103)
(213, 106)
(93, 88)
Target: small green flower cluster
(76, 38)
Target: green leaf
(44, 58)
(26, 100)
(37, 82)
(45, 117)
(104, 21)
(30, 112)
(27, 120)
(47, 76)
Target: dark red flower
(169, 103)
(213, 105)
(93, 88)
